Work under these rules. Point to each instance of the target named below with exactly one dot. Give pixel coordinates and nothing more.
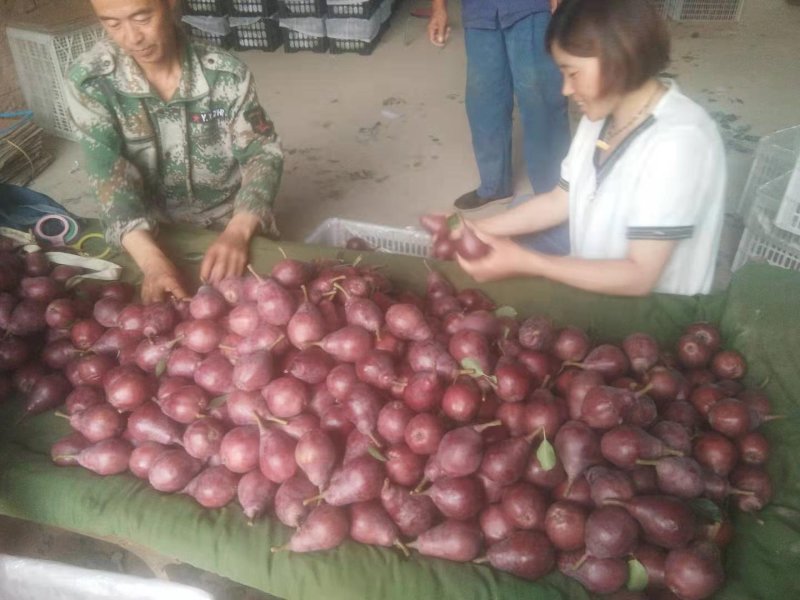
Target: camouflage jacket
(208, 152)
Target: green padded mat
(758, 315)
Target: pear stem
(644, 390)
(531, 436)
(279, 339)
(341, 289)
(545, 382)
(582, 560)
(58, 413)
(282, 422)
(739, 492)
(613, 502)
(651, 463)
(402, 547)
(481, 561)
(374, 440)
(417, 490)
(279, 549)
(480, 428)
(282, 252)
(570, 363)
(253, 272)
(316, 498)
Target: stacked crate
(252, 25)
(771, 203)
(206, 20)
(41, 59)
(357, 27)
(705, 10)
(303, 25)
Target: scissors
(62, 231)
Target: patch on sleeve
(661, 233)
(258, 121)
(563, 184)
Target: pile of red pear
(352, 409)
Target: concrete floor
(384, 139)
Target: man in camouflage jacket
(172, 131)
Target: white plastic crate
(34, 579)
(776, 155)
(705, 10)
(762, 240)
(335, 232)
(41, 59)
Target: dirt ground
(384, 138)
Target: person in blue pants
(507, 58)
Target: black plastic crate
(252, 8)
(261, 35)
(358, 46)
(294, 41)
(223, 41)
(206, 8)
(361, 10)
(301, 8)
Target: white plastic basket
(776, 155)
(335, 232)
(705, 10)
(788, 217)
(41, 59)
(762, 240)
(34, 579)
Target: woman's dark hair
(628, 36)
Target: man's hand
(438, 31)
(160, 281)
(228, 255)
(160, 275)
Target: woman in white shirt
(643, 183)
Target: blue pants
(501, 64)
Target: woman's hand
(505, 259)
(228, 255)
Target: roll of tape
(66, 230)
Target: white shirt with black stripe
(665, 181)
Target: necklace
(612, 132)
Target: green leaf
(218, 401)
(470, 364)
(376, 454)
(707, 509)
(193, 257)
(546, 455)
(161, 367)
(453, 221)
(637, 576)
(506, 311)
